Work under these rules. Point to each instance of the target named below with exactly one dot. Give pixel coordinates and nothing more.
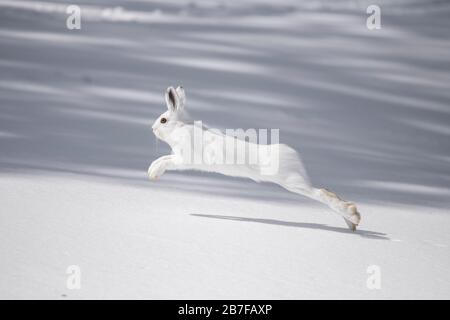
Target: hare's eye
(163, 120)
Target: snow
(368, 111)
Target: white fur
(291, 175)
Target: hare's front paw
(155, 170)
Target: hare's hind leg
(344, 208)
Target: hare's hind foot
(351, 215)
(347, 209)
(350, 225)
(351, 212)
(354, 219)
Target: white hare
(174, 128)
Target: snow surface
(369, 112)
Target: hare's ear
(172, 100)
(181, 97)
